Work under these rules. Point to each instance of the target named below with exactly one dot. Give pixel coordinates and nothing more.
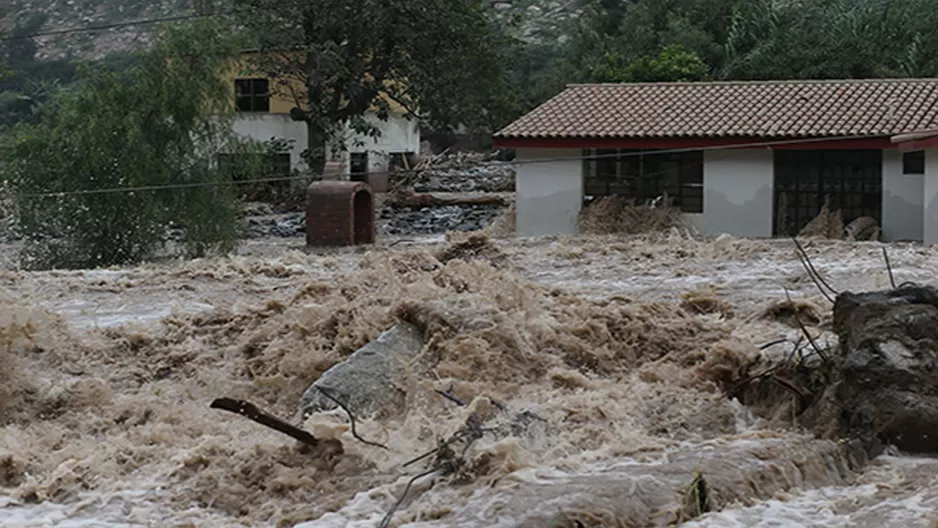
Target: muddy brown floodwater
(617, 347)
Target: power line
(115, 25)
(146, 188)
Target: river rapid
(614, 348)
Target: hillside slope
(536, 20)
(25, 17)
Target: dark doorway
(364, 218)
(851, 179)
(358, 166)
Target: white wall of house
(930, 200)
(737, 197)
(549, 193)
(903, 205)
(263, 127)
(398, 134)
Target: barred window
(852, 181)
(645, 175)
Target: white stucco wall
(737, 196)
(903, 205)
(264, 127)
(549, 193)
(931, 197)
(397, 135)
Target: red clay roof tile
(776, 109)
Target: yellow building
(263, 113)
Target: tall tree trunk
(315, 147)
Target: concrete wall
(264, 127)
(549, 194)
(931, 197)
(903, 214)
(737, 193)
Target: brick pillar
(339, 213)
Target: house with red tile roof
(754, 159)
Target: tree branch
(250, 411)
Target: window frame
(637, 174)
(852, 179)
(913, 163)
(256, 97)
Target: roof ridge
(767, 82)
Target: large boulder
(888, 386)
(878, 387)
(370, 381)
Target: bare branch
(892, 279)
(811, 266)
(771, 344)
(820, 288)
(804, 329)
(449, 396)
(387, 518)
(351, 418)
(457, 436)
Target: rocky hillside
(26, 17)
(538, 20)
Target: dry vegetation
(616, 215)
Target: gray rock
(878, 387)
(369, 381)
(889, 347)
(436, 220)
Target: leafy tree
(648, 40)
(674, 63)
(151, 125)
(441, 60)
(831, 39)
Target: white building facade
(265, 116)
(747, 159)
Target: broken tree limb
(407, 198)
(250, 411)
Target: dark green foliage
(827, 39)
(674, 63)
(675, 40)
(442, 60)
(149, 125)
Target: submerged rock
(370, 381)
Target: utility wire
(144, 188)
(141, 22)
